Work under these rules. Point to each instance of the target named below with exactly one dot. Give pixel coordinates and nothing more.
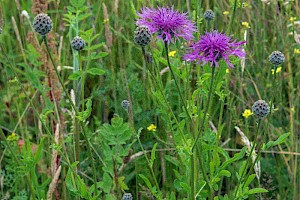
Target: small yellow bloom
(225, 12)
(292, 19)
(296, 51)
(152, 127)
(172, 53)
(246, 24)
(278, 70)
(247, 113)
(227, 71)
(13, 137)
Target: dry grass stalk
(248, 144)
(108, 34)
(18, 37)
(53, 184)
(39, 6)
(54, 152)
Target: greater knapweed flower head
(125, 104)
(214, 46)
(276, 58)
(261, 108)
(78, 43)
(142, 36)
(127, 196)
(209, 15)
(42, 24)
(169, 24)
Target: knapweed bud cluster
(127, 196)
(209, 15)
(276, 58)
(78, 43)
(261, 108)
(125, 104)
(42, 24)
(142, 36)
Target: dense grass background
(30, 93)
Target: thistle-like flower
(261, 108)
(276, 58)
(167, 23)
(42, 24)
(78, 43)
(214, 46)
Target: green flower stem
(77, 113)
(173, 75)
(158, 83)
(232, 18)
(207, 105)
(249, 157)
(27, 178)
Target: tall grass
(65, 135)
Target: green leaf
(108, 183)
(146, 180)
(89, 32)
(87, 112)
(236, 157)
(122, 183)
(163, 61)
(153, 152)
(77, 3)
(280, 140)
(249, 180)
(75, 76)
(257, 190)
(96, 71)
(100, 55)
(39, 152)
(224, 173)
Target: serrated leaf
(96, 71)
(75, 76)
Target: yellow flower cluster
(296, 51)
(172, 53)
(278, 70)
(13, 137)
(247, 113)
(292, 19)
(246, 24)
(152, 127)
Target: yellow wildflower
(227, 71)
(247, 113)
(296, 51)
(278, 70)
(13, 137)
(172, 53)
(246, 24)
(225, 12)
(152, 127)
(292, 19)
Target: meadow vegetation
(149, 99)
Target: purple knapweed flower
(214, 46)
(167, 23)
